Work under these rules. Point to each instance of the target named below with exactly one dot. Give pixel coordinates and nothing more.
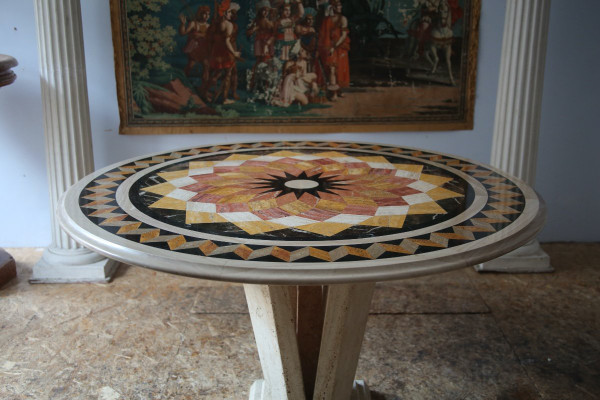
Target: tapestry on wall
(187, 66)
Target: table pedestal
(309, 339)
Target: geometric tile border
(505, 204)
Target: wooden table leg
(306, 353)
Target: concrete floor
(459, 335)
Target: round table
(308, 228)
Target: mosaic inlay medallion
(297, 202)
(300, 194)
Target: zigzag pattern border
(97, 201)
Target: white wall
(569, 126)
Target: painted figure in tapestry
(258, 57)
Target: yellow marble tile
(285, 153)
(169, 203)
(176, 242)
(161, 188)
(359, 201)
(375, 159)
(208, 247)
(426, 208)
(109, 221)
(243, 251)
(237, 198)
(237, 157)
(426, 242)
(376, 193)
(331, 154)
(201, 164)
(357, 171)
(355, 251)
(390, 221)
(330, 205)
(295, 207)
(280, 253)
(249, 169)
(144, 237)
(168, 176)
(325, 228)
(233, 175)
(128, 228)
(435, 179)
(320, 254)
(409, 167)
(332, 167)
(305, 165)
(224, 191)
(396, 249)
(254, 227)
(441, 194)
(262, 204)
(197, 217)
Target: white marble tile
(293, 220)
(240, 216)
(392, 210)
(422, 186)
(419, 198)
(230, 163)
(381, 165)
(349, 218)
(185, 181)
(408, 174)
(181, 194)
(201, 171)
(201, 207)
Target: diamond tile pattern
(362, 191)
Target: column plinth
(518, 109)
(67, 130)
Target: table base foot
(360, 390)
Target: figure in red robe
(333, 47)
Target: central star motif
(321, 193)
(285, 184)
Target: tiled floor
(459, 335)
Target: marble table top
(301, 212)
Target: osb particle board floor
(459, 335)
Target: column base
(73, 266)
(527, 259)
(360, 391)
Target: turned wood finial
(7, 76)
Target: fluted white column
(518, 108)
(68, 135)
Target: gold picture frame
(249, 66)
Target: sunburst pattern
(322, 193)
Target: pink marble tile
(271, 213)
(403, 191)
(232, 207)
(197, 187)
(309, 199)
(266, 196)
(252, 163)
(360, 210)
(329, 196)
(206, 198)
(285, 199)
(317, 214)
(206, 177)
(394, 201)
(382, 171)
